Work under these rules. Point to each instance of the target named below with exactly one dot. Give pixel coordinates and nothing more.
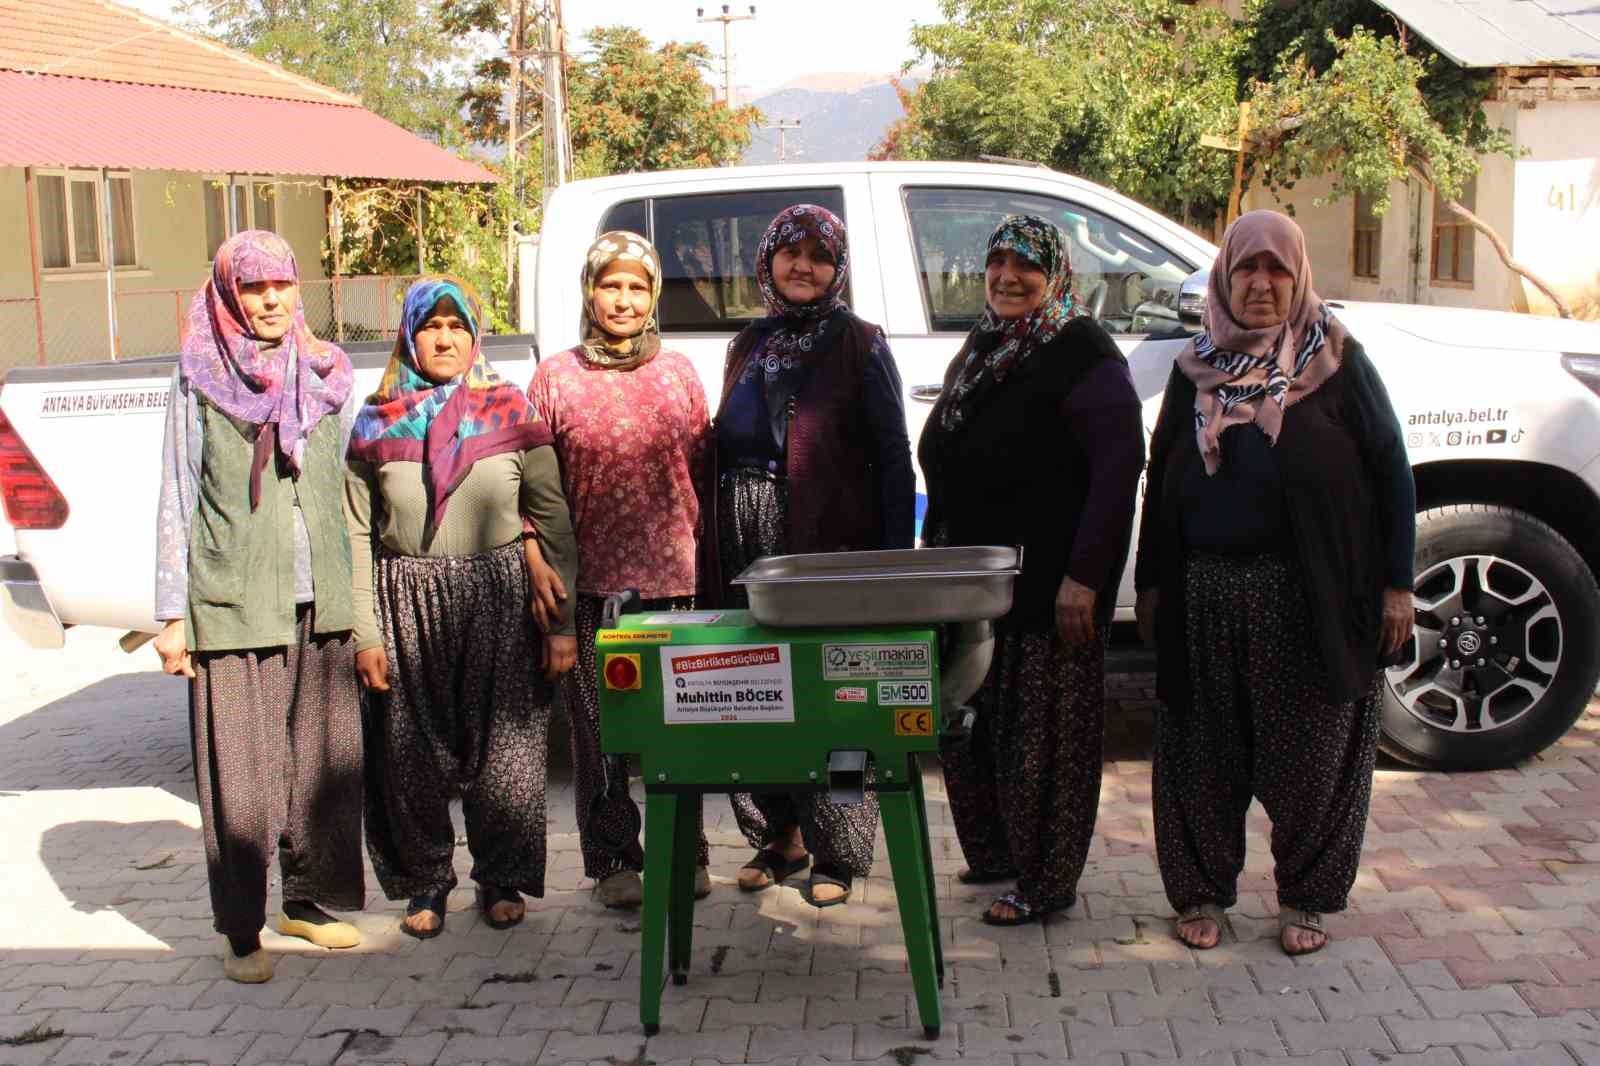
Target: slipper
(985, 877)
(1200, 912)
(771, 862)
(1294, 918)
(252, 969)
(323, 930)
(1026, 912)
(434, 902)
(827, 875)
(489, 895)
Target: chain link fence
(69, 323)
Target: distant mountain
(842, 117)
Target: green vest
(241, 563)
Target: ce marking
(910, 722)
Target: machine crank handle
(959, 731)
(618, 605)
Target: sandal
(432, 902)
(1294, 918)
(489, 895)
(1200, 912)
(771, 862)
(832, 877)
(1026, 912)
(985, 877)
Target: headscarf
(446, 427)
(792, 333)
(996, 344)
(1253, 375)
(241, 375)
(600, 347)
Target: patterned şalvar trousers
(276, 739)
(1260, 724)
(468, 712)
(1025, 787)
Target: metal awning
(49, 120)
(1506, 33)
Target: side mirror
(1192, 300)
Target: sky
(787, 39)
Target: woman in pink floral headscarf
(253, 585)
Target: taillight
(31, 499)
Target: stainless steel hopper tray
(902, 587)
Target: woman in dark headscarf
(253, 583)
(1036, 441)
(447, 460)
(631, 431)
(812, 456)
(1274, 570)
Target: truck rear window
(708, 244)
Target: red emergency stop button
(621, 672)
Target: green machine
(843, 661)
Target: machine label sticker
(681, 618)
(633, 636)
(850, 694)
(909, 722)
(850, 662)
(905, 693)
(727, 683)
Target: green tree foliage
(1118, 91)
(389, 54)
(1274, 31)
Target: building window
(1368, 239)
(235, 204)
(1453, 237)
(71, 214)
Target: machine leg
(680, 908)
(915, 891)
(920, 808)
(660, 827)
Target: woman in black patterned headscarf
(1035, 441)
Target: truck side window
(708, 248)
(1127, 281)
(631, 215)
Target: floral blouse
(632, 446)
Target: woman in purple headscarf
(811, 456)
(253, 585)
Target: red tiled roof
(49, 120)
(108, 42)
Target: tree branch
(1505, 256)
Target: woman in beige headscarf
(1274, 572)
(631, 431)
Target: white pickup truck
(1501, 411)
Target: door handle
(926, 393)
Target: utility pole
(783, 127)
(515, 53)
(727, 61)
(557, 138)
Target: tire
(1497, 587)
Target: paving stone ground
(1473, 938)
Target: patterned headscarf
(600, 347)
(447, 427)
(997, 344)
(792, 333)
(1253, 375)
(797, 328)
(238, 374)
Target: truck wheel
(1506, 651)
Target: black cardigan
(1351, 506)
(1023, 470)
